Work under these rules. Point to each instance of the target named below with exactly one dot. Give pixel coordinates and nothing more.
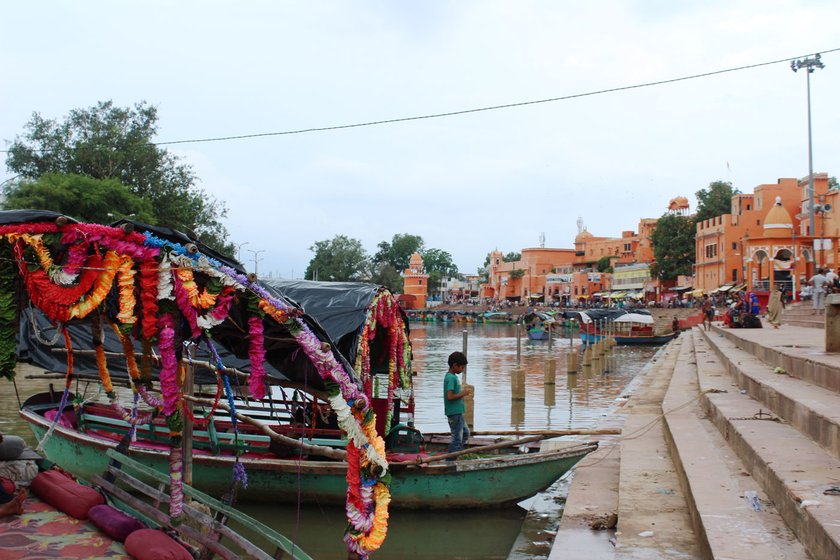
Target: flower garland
(176, 480)
(8, 313)
(99, 349)
(101, 287)
(169, 363)
(126, 287)
(68, 380)
(256, 353)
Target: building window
(748, 206)
(627, 247)
(420, 282)
(711, 251)
(734, 246)
(734, 274)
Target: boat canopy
(642, 316)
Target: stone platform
(730, 448)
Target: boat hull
(479, 483)
(589, 338)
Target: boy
(453, 402)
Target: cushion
(113, 522)
(11, 447)
(65, 494)
(151, 544)
(66, 420)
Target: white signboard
(558, 278)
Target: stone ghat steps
(719, 491)
(783, 429)
(801, 314)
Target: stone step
(714, 479)
(653, 514)
(813, 410)
(795, 349)
(793, 471)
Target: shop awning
(616, 295)
(637, 295)
(601, 294)
(725, 288)
(682, 288)
(697, 293)
(739, 287)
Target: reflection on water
(575, 401)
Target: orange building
(415, 284)
(766, 238)
(630, 248)
(526, 278)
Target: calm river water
(576, 401)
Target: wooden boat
(499, 476)
(43, 531)
(634, 327)
(499, 318)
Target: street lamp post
(809, 64)
(239, 250)
(256, 258)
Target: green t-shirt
(452, 383)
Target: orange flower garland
(126, 284)
(199, 299)
(101, 287)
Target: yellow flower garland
(126, 284)
(36, 242)
(199, 300)
(101, 287)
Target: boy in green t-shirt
(453, 401)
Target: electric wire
(481, 109)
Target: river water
(575, 401)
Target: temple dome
(583, 236)
(777, 222)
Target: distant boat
(626, 327)
(499, 317)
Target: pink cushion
(65, 494)
(151, 544)
(67, 419)
(113, 522)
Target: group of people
(825, 281)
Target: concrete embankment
(730, 448)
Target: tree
(438, 265)
(517, 273)
(513, 256)
(388, 276)
(339, 259)
(604, 264)
(91, 200)
(673, 246)
(833, 184)
(398, 252)
(108, 142)
(716, 200)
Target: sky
(469, 183)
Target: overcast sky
(469, 183)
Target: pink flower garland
(256, 382)
(169, 363)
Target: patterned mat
(44, 532)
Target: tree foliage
(604, 264)
(673, 246)
(388, 276)
(438, 265)
(517, 273)
(398, 252)
(512, 256)
(716, 200)
(340, 259)
(91, 200)
(106, 142)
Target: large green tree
(386, 275)
(673, 246)
(398, 252)
(109, 142)
(79, 196)
(512, 256)
(716, 200)
(438, 265)
(340, 259)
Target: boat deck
(44, 532)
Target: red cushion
(113, 522)
(65, 494)
(151, 544)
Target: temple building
(415, 284)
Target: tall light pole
(256, 258)
(809, 64)
(239, 250)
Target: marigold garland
(101, 363)
(101, 287)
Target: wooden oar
(481, 449)
(338, 454)
(546, 433)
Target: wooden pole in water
(550, 372)
(587, 356)
(571, 362)
(550, 334)
(517, 384)
(469, 399)
(187, 432)
(518, 343)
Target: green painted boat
(495, 480)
